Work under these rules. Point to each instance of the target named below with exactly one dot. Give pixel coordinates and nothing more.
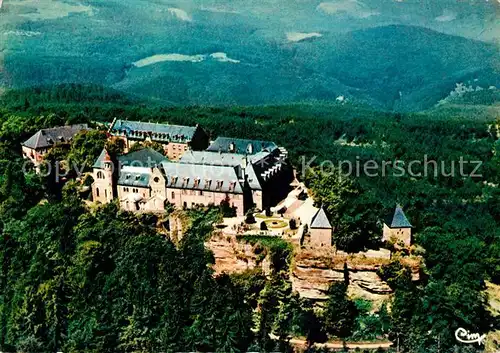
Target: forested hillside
(99, 279)
(388, 54)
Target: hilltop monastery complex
(192, 170)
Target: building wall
(188, 198)
(321, 237)
(397, 235)
(257, 198)
(155, 204)
(157, 184)
(102, 188)
(126, 191)
(35, 156)
(175, 150)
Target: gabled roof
(49, 137)
(320, 220)
(201, 177)
(147, 158)
(398, 219)
(134, 179)
(256, 163)
(242, 146)
(212, 158)
(157, 132)
(99, 163)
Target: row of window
(181, 148)
(134, 190)
(97, 192)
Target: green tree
(340, 312)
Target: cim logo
(464, 336)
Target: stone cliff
(311, 271)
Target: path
(339, 344)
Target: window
(156, 180)
(173, 195)
(105, 193)
(100, 175)
(97, 192)
(200, 193)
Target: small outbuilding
(397, 228)
(321, 230)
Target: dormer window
(196, 182)
(232, 147)
(137, 177)
(219, 184)
(185, 182)
(173, 180)
(208, 182)
(232, 186)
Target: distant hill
(395, 67)
(399, 68)
(406, 68)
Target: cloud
(22, 33)
(352, 8)
(168, 57)
(300, 36)
(180, 14)
(50, 9)
(447, 16)
(150, 60)
(223, 58)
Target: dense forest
(99, 279)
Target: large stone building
(320, 230)
(175, 139)
(245, 173)
(38, 145)
(260, 165)
(145, 181)
(397, 228)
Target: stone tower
(321, 230)
(397, 228)
(102, 188)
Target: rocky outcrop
(312, 271)
(234, 257)
(312, 275)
